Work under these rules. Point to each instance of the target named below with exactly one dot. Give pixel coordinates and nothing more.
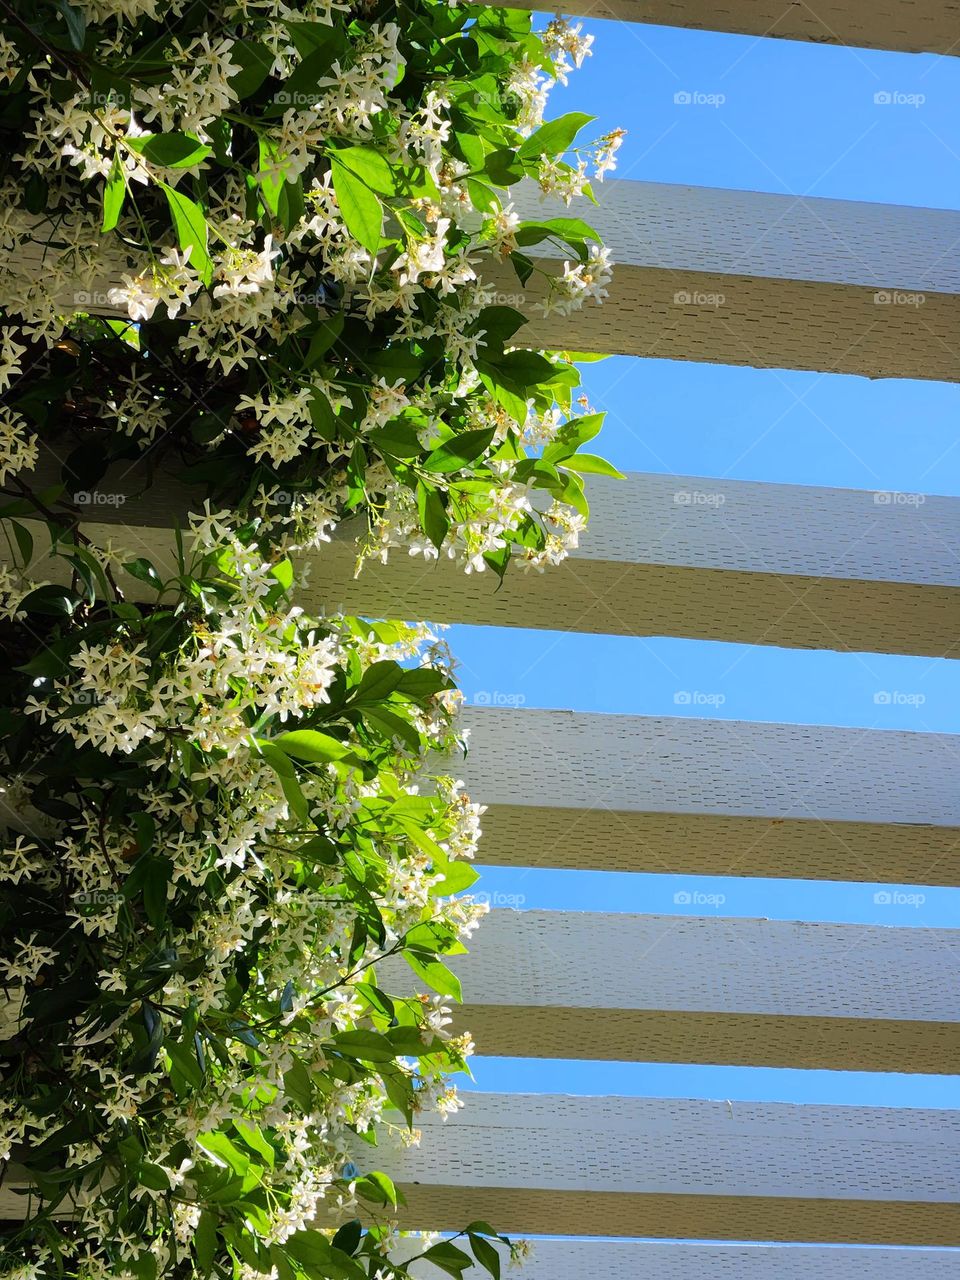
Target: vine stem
(73, 526)
(51, 52)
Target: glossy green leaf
(359, 206)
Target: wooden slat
(647, 1260)
(770, 281)
(687, 1169)
(715, 797)
(749, 278)
(787, 565)
(910, 26)
(657, 988)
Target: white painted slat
(666, 764)
(771, 281)
(647, 1260)
(909, 26)
(715, 797)
(788, 565)
(752, 278)
(655, 988)
(691, 1169)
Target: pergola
(806, 284)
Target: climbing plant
(271, 251)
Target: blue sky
(803, 120)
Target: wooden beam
(646, 1259)
(702, 989)
(770, 281)
(908, 26)
(747, 278)
(788, 565)
(715, 797)
(685, 1169)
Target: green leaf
(171, 150)
(24, 540)
(252, 1135)
(314, 748)
(184, 1061)
(348, 1238)
(590, 464)
(378, 1188)
(192, 231)
(433, 516)
(255, 61)
(506, 392)
(155, 881)
(572, 435)
(76, 23)
(370, 1046)
(460, 450)
(359, 206)
(50, 601)
(554, 137)
(114, 194)
(152, 1176)
(435, 974)
(448, 1258)
(457, 876)
(219, 1147)
(205, 1242)
(570, 229)
(144, 571)
(369, 166)
(486, 1254)
(378, 682)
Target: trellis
(806, 284)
